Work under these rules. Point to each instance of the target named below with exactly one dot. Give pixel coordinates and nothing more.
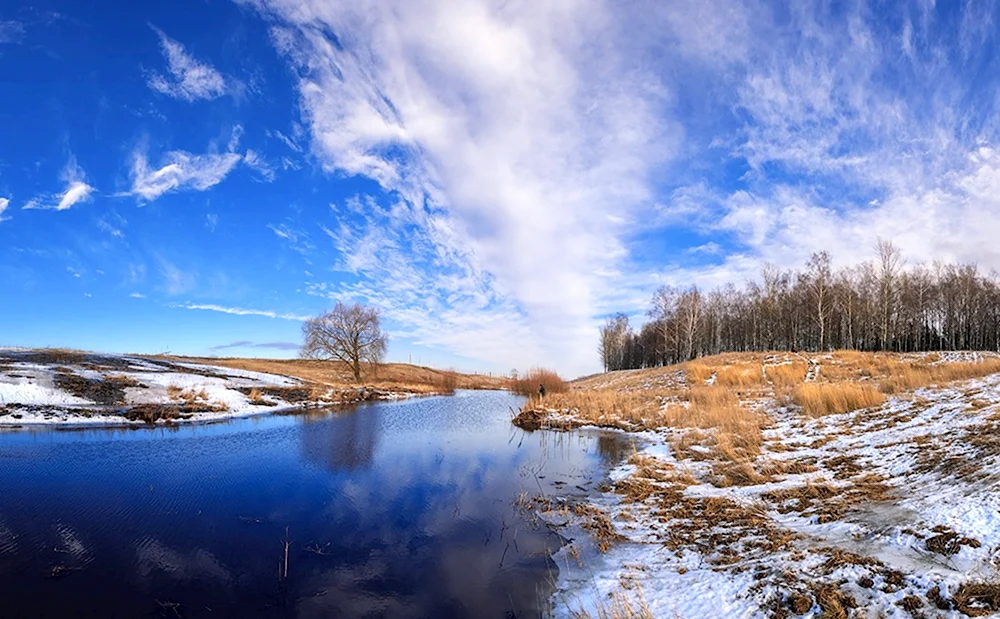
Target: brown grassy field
(824, 437)
(717, 401)
(389, 376)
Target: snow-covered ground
(39, 387)
(892, 512)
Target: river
(404, 509)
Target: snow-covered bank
(64, 388)
(885, 512)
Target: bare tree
(348, 333)
(875, 305)
(819, 277)
(890, 261)
(663, 310)
(689, 306)
(615, 337)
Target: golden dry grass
(620, 605)
(527, 385)
(256, 396)
(697, 373)
(738, 430)
(818, 399)
(400, 377)
(740, 376)
(907, 377)
(786, 375)
(603, 408)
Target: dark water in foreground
(408, 509)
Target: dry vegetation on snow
(56, 386)
(821, 485)
(397, 377)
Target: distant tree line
(876, 305)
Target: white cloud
(188, 79)
(179, 170)
(511, 133)
(77, 190)
(137, 295)
(536, 148)
(175, 281)
(4, 203)
(254, 161)
(11, 31)
(239, 311)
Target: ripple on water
(398, 509)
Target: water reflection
(341, 440)
(398, 510)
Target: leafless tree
(875, 305)
(616, 335)
(689, 306)
(348, 333)
(663, 306)
(818, 277)
(890, 262)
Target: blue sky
(196, 176)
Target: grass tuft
(527, 385)
(819, 399)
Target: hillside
(393, 376)
(779, 484)
(67, 387)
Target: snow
(36, 395)
(908, 443)
(28, 395)
(670, 586)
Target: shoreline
(889, 508)
(69, 389)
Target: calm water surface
(391, 510)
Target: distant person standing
(541, 392)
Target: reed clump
(909, 376)
(786, 375)
(449, 381)
(527, 384)
(740, 376)
(819, 399)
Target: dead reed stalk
(818, 399)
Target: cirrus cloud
(188, 78)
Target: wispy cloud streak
(239, 311)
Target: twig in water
(287, 543)
(319, 551)
(174, 607)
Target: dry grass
(739, 430)
(449, 381)
(527, 384)
(740, 376)
(909, 376)
(818, 399)
(620, 605)
(786, 375)
(600, 408)
(697, 373)
(397, 377)
(978, 599)
(257, 398)
(187, 396)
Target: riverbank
(778, 485)
(73, 388)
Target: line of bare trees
(877, 305)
